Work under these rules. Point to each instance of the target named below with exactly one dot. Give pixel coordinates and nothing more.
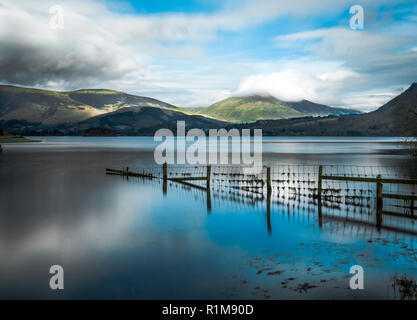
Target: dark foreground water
(118, 238)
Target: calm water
(119, 238)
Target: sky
(194, 53)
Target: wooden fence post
(208, 193)
(268, 179)
(165, 171)
(379, 201)
(319, 184)
(379, 189)
(319, 187)
(208, 177)
(268, 212)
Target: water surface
(119, 238)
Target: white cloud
(288, 85)
(371, 63)
(295, 85)
(368, 101)
(355, 47)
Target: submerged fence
(350, 184)
(360, 195)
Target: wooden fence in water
(317, 182)
(329, 189)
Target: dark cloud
(26, 64)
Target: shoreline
(16, 139)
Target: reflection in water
(352, 195)
(119, 238)
(339, 217)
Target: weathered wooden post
(268, 212)
(165, 178)
(208, 177)
(268, 199)
(208, 201)
(379, 202)
(379, 191)
(319, 187)
(165, 171)
(208, 192)
(268, 179)
(319, 182)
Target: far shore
(16, 139)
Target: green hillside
(249, 109)
(253, 108)
(398, 117)
(8, 138)
(53, 107)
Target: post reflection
(327, 214)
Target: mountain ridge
(55, 107)
(397, 117)
(317, 109)
(259, 107)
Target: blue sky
(194, 53)
(173, 6)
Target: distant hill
(253, 108)
(309, 108)
(397, 117)
(53, 107)
(124, 121)
(141, 120)
(248, 109)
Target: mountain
(120, 116)
(124, 121)
(247, 109)
(309, 108)
(399, 114)
(34, 111)
(253, 108)
(398, 117)
(143, 120)
(52, 107)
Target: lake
(125, 238)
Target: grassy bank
(16, 139)
(9, 138)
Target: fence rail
(362, 186)
(328, 190)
